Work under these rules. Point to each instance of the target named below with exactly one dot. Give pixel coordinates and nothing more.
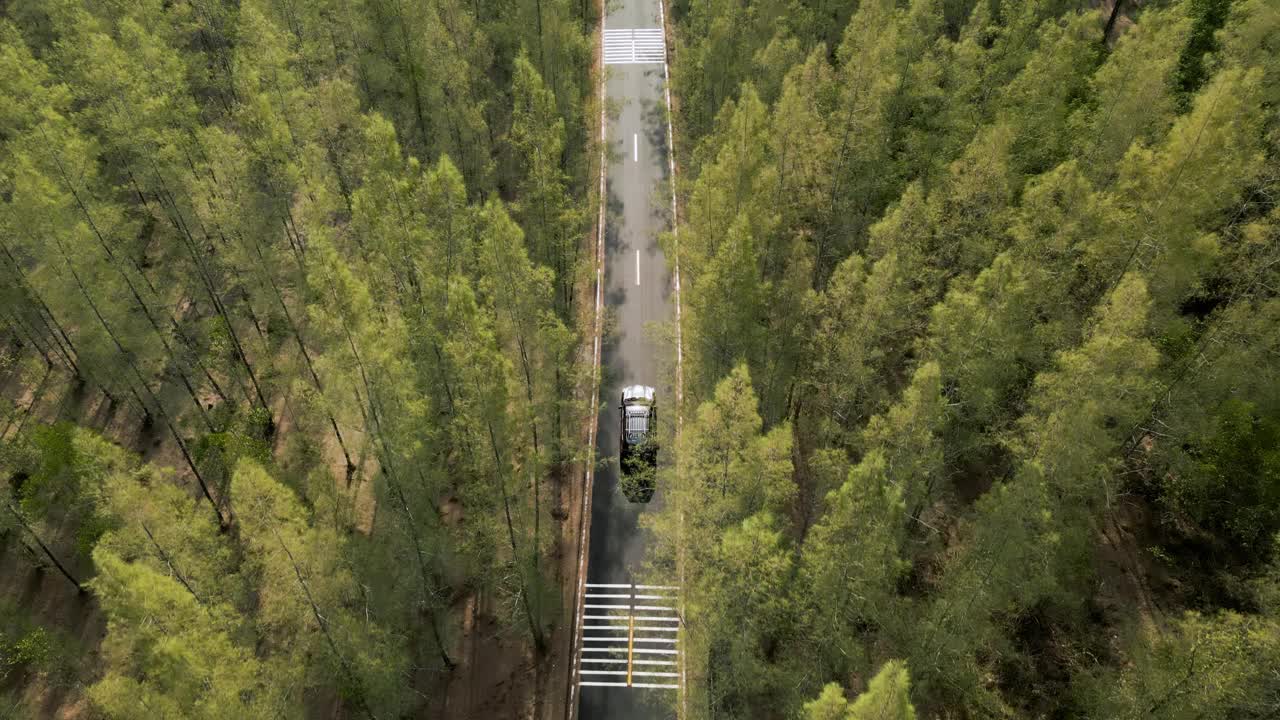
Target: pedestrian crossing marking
(630, 652)
(632, 46)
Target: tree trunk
(1111, 20)
(35, 398)
(21, 330)
(58, 335)
(390, 473)
(49, 553)
(306, 358)
(538, 640)
(42, 307)
(324, 630)
(428, 585)
(184, 232)
(182, 445)
(414, 89)
(168, 561)
(133, 290)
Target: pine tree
(307, 596)
(853, 558)
(1128, 104)
(865, 317)
(170, 655)
(551, 223)
(1030, 533)
(886, 698)
(152, 524)
(1204, 666)
(907, 435)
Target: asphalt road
(637, 293)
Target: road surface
(637, 293)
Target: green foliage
(1133, 96)
(907, 436)
(867, 312)
(154, 523)
(315, 238)
(1207, 16)
(736, 554)
(169, 654)
(551, 220)
(217, 453)
(734, 469)
(966, 292)
(830, 705)
(1205, 666)
(1033, 304)
(1040, 101)
(853, 559)
(29, 647)
(730, 33)
(748, 614)
(1250, 38)
(1267, 586)
(53, 467)
(886, 698)
(68, 469)
(308, 599)
(1232, 483)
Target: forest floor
(33, 588)
(48, 600)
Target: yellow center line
(631, 636)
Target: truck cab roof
(637, 394)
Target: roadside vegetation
(287, 349)
(982, 359)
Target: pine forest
(970, 402)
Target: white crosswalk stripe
(622, 640)
(631, 46)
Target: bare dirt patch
(51, 602)
(495, 674)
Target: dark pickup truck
(638, 456)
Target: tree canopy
(287, 333)
(1003, 280)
